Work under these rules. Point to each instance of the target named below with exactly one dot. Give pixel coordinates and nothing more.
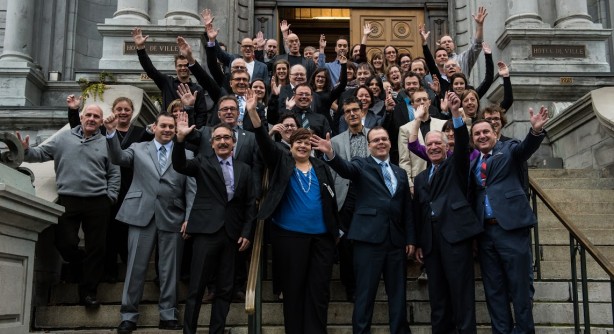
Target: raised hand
(420, 112)
(185, 94)
(277, 128)
(367, 29)
(504, 71)
(211, 32)
(275, 88)
(443, 104)
(73, 102)
(284, 26)
(486, 48)
(207, 16)
(454, 102)
(435, 85)
(183, 128)
(343, 59)
(424, 34)
(259, 40)
(322, 42)
(290, 102)
(138, 38)
(480, 16)
(110, 123)
(539, 120)
(25, 143)
(322, 145)
(390, 104)
(185, 49)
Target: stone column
(135, 12)
(572, 14)
(523, 13)
(19, 31)
(182, 12)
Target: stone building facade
(558, 50)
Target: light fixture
(332, 18)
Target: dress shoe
(239, 297)
(126, 327)
(209, 298)
(172, 325)
(90, 303)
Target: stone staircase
(586, 197)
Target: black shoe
(90, 303)
(126, 327)
(172, 325)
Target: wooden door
(397, 27)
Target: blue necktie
(162, 158)
(387, 177)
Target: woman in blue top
(301, 204)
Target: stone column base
(22, 84)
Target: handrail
(578, 244)
(254, 268)
(573, 230)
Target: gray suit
(341, 146)
(156, 205)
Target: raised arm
(285, 31)
(73, 103)
(180, 163)
(124, 158)
(508, 93)
(490, 71)
(428, 57)
(139, 40)
(202, 77)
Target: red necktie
(483, 169)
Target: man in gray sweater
(87, 185)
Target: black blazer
(446, 196)
(281, 167)
(377, 213)
(211, 209)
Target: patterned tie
(241, 109)
(483, 169)
(227, 179)
(162, 158)
(387, 178)
(304, 120)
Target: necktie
(387, 178)
(483, 169)
(241, 109)
(304, 120)
(433, 171)
(162, 158)
(228, 180)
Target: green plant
(96, 89)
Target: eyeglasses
(493, 119)
(240, 79)
(298, 74)
(290, 126)
(450, 66)
(302, 94)
(227, 109)
(238, 67)
(406, 62)
(224, 138)
(352, 111)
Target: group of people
(378, 160)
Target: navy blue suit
(446, 227)
(504, 247)
(382, 225)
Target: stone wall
(2, 23)
(88, 43)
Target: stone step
(66, 294)
(576, 208)
(560, 236)
(540, 173)
(583, 221)
(562, 253)
(416, 329)
(580, 195)
(575, 183)
(62, 317)
(561, 270)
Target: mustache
(223, 145)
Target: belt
(491, 221)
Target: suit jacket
(341, 146)
(212, 210)
(281, 167)
(246, 150)
(503, 183)
(410, 162)
(163, 194)
(446, 196)
(378, 213)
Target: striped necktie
(162, 157)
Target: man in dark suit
(220, 222)
(382, 228)
(446, 228)
(158, 202)
(501, 204)
(310, 119)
